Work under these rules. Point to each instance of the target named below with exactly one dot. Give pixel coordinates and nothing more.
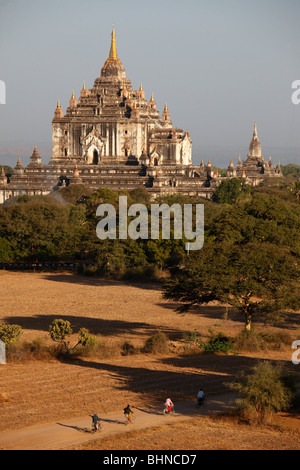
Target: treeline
(62, 226)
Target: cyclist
(95, 421)
(169, 405)
(200, 397)
(128, 414)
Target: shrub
(87, 340)
(191, 339)
(127, 348)
(253, 341)
(249, 340)
(9, 334)
(139, 274)
(218, 343)
(156, 344)
(59, 330)
(264, 391)
(278, 341)
(37, 349)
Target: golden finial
(73, 96)
(166, 107)
(84, 86)
(141, 88)
(255, 131)
(58, 104)
(152, 99)
(113, 49)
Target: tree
(5, 250)
(256, 279)
(61, 329)
(263, 390)
(230, 190)
(9, 334)
(42, 229)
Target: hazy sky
(221, 65)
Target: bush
(59, 329)
(250, 340)
(253, 341)
(191, 339)
(37, 349)
(127, 348)
(140, 274)
(157, 344)
(218, 343)
(278, 341)
(263, 392)
(9, 334)
(87, 340)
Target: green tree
(6, 253)
(42, 229)
(230, 190)
(9, 334)
(256, 279)
(263, 390)
(61, 329)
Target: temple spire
(113, 49)
(255, 131)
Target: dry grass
(41, 388)
(201, 434)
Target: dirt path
(67, 433)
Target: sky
(221, 66)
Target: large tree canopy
(257, 279)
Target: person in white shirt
(169, 404)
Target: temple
(113, 137)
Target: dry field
(43, 391)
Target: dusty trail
(66, 433)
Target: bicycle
(97, 427)
(200, 402)
(129, 419)
(167, 411)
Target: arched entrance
(95, 157)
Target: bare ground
(45, 391)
